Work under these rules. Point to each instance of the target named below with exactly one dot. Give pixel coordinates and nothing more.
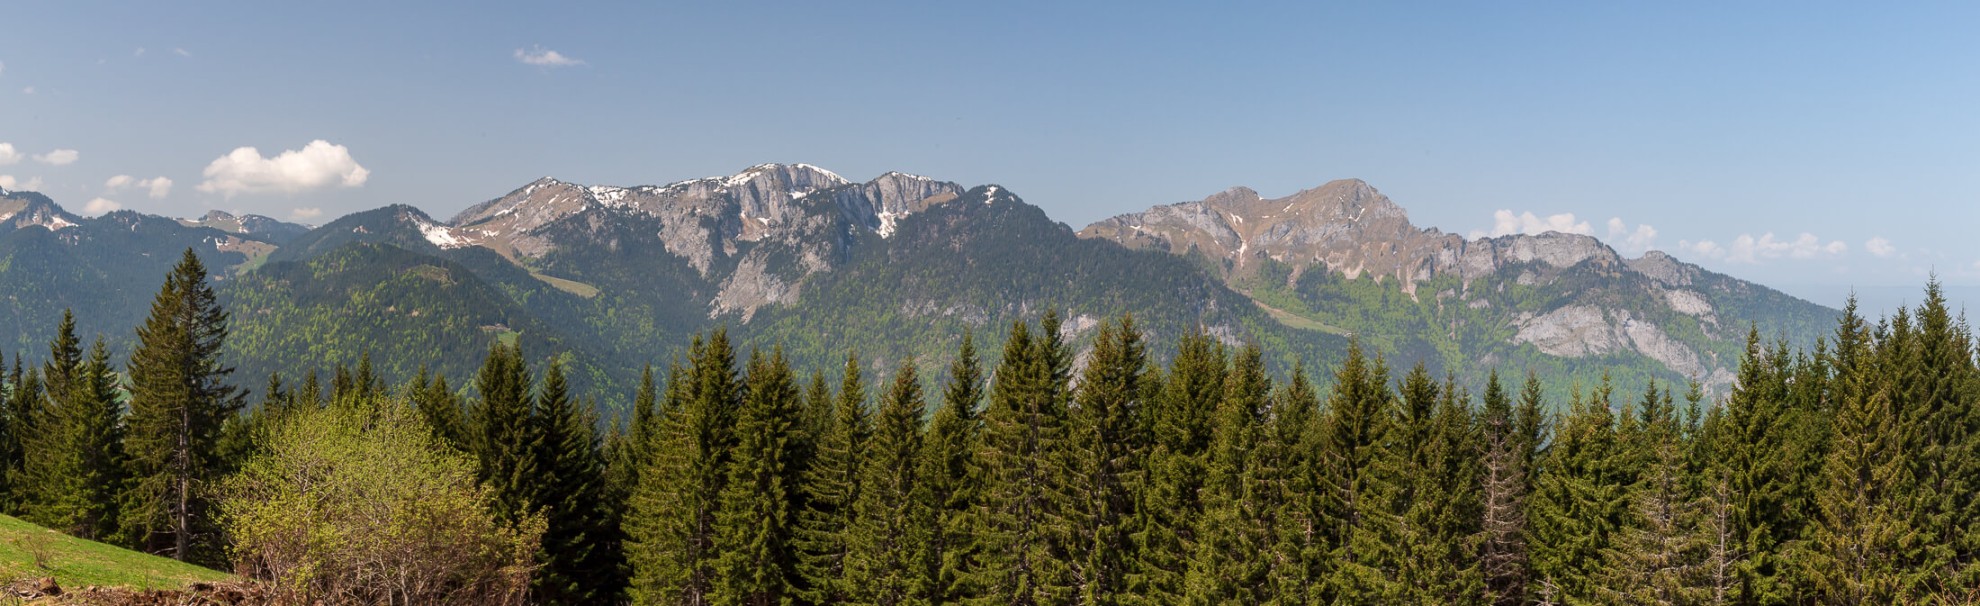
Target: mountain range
(896, 268)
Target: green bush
(360, 504)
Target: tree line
(1842, 474)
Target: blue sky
(1847, 132)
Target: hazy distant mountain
(896, 267)
(1345, 256)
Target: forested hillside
(1839, 473)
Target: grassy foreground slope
(30, 551)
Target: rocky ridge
(1349, 228)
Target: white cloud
(27, 91)
(138, 53)
(1505, 223)
(307, 212)
(181, 52)
(3, 67)
(542, 57)
(1880, 247)
(8, 155)
(60, 157)
(1631, 241)
(1748, 249)
(156, 187)
(100, 206)
(317, 165)
(8, 182)
(1706, 248)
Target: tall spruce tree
(1106, 444)
(1024, 530)
(1237, 517)
(754, 527)
(1361, 448)
(507, 440)
(10, 446)
(831, 487)
(951, 472)
(671, 528)
(1291, 459)
(179, 400)
(889, 537)
(580, 564)
(1861, 536)
(79, 452)
(1168, 504)
(1502, 501)
(1753, 455)
(1580, 501)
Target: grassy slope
(78, 563)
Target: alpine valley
(614, 278)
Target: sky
(1818, 148)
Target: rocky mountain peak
(22, 209)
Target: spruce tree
(1168, 504)
(1024, 530)
(46, 456)
(831, 487)
(80, 452)
(1759, 427)
(441, 409)
(1502, 501)
(1861, 536)
(10, 447)
(1658, 557)
(507, 439)
(1441, 521)
(671, 528)
(1291, 458)
(756, 564)
(1106, 445)
(1360, 448)
(580, 564)
(1237, 518)
(1939, 412)
(179, 400)
(950, 470)
(1578, 503)
(888, 541)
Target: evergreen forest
(1042, 473)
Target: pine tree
(1861, 536)
(1360, 449)
(1502, 507)
(1759, 427)
(1938, 410)
(46, 458)
(580, 564)
(10, 433)
(25, 400)
(1236, 518)
(1579, 502)
(628, 446)
(951, 472)
(79, 463)
(1024, 530)
(179, 399)
(1106, 445)
(507, 439)
(831, 487)
(1167, 506)
(1657, 558)
(1441, 522)
(671, 527)
(1291, 456)
(889, 535)
(441, 410)
(756, 563)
